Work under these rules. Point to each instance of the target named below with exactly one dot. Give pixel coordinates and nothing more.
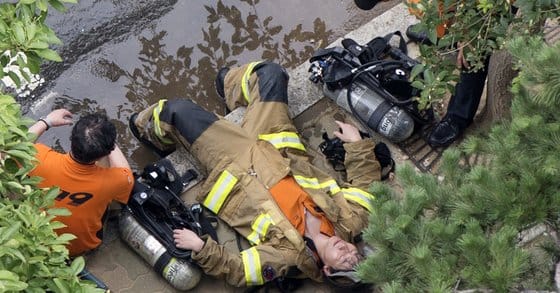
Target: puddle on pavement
(176, 54)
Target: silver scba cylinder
(181, 274)
(390, 121)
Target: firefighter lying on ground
(300, 221)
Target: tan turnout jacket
(245, 162)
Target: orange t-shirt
(86, 190)
(293, 201)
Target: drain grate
(419, 152)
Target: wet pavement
(121, 56)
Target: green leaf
(8, 276)
(61, 285)
(19, 32)
(25, 75)
(33, 62)
(57, 225)
(42, 5)
(65, 238)
(48, 54)
(10, 231)
(12, 286)
(50, 36)
(3, 27)
(14, 185)
(23, 217)
(59, 212)
(27, 1)
(37, 44)
(416, 70)
(77, 265)
(57, 5)
(417, 84)
(428, 76)
(20, 154)
(31, 29)
(21, 63)
(15, 78)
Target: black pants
(468, 91)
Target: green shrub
(33, 258)
(460, 230)
(483, 26)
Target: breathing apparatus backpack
(372, 82)
(153, 211)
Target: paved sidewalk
(125, 271)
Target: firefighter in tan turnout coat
(300, 221)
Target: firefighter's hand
(187, 239)
(348, 132)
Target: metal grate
(419, 152)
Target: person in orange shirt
(86, 187)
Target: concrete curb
(302, 93)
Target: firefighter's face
(340, 255)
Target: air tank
(181, 274)
(388, 120)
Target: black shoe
(444, 134)
(219, 82)
(415, 35)
(146, 142)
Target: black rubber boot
(144, 141)
(444, 133)
(219, 82)
(415, 35)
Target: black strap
(161, 262)
(402, 42)
(378, 114)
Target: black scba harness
(156, 206)
(383, 68)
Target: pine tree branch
(491, 291)
(474, 291)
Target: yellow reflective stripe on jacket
(252, 266)
(284, 139)
(157, 124)
(313, 183)
(254, 238)
(260, 227)
(245, 80)
(359, 196)
(219, 192)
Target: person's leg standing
(461, 108)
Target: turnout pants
(251, 154)
(261, 87)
